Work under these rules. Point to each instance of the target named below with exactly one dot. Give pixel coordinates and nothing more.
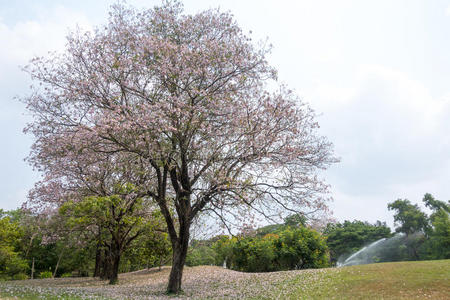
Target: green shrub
(66, 275)
(45, 274)
(301, 248)
(285, 249)
(4, 277)
(20, 276)
(259, 254)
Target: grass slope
(402, 280)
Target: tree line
(79, 241)
(288, 246)
(417, 236)
(81, 244)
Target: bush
(66, 275)
(301, 248)
(286, 249)
(255, 254)
(45, 274)
(20, 276)
(4, 277)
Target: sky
(377, 73)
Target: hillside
(402, 280)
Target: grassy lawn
(403, 280)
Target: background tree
(418, 227)
(439, 237)
(121, 215)
(51, 246)
(223, 247)
(301, 248)
(201, 253)
(61, 241)
(408, 217)
(348, 237)
(12, 265)
(37, 247)
(435, 205)
(185, 99)
(294, 220)
(65, 245)
(439, 233)
(152, 248)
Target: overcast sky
(376, 72)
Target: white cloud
(385, 104)
(20, 42)
(26, 39)
(392, 136)
(447, 10)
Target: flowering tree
(184, 98)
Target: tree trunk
(105, 265)
(30, 244)
(179, 247)
(414, 252)
(32, 269)
(115, 261)
(98, 261)
(57, 263)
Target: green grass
(401, 280)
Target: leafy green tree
(426, 237)
(268, 229)
(294, 220)
(439, 239)
(150, 249)
(408, 217)
(223, 248)
(439, 233)
(435, 205)
(202, 255)
(255, 254)
(11, 263)
(345, 238)
(121, 215)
